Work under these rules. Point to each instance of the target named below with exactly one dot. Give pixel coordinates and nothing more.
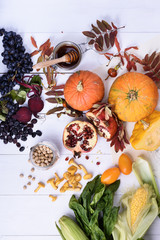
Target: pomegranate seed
(67, 158)
(98, 163)
(87, 157)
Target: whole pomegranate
(79, 137)
(102, 118)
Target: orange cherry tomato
(110, 175)
(125, 164)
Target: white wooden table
(25, 215)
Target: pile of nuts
(42, 156)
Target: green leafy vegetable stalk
(94, 210)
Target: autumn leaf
(34, 42)
(55, 93)
(101, 26)
(55, 109)
(107, 25)
(95, 29)
(89, 34)
(44, 45)
(34, 53)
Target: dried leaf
(55, 109)
(58, 87)
(107, 57)
(52, 100)
(149, 74)
(113, 25)
(129, 66)
(117, 44)
(97, 47)
(34, 53)
(107, 25)
(147, 68)
(152, 56)
(49, 51)
(134, 47)
(40, 59)
(157, 68)
(54, 93)
(45, 49)
(95, 29)
(91, 42)
(59, 114)
(136, 59)
(155, 62)
(44, 45)
(34, 42)
(99, 40)
(146, 58)
(133, 65)
(112, 36)
(101, 26)
(89, 34)
(106, 39)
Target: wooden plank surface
(25, 215)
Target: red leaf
(97, 47)
(107, 25)
(44, 45)
(146, 68)
(45, 48)
(112, 36)
(155, 62)
(133, 65)
(134, 47)
(89, 34)
(157, 68)
(129, 66)
(107, 57)
(113, 25)
(106, 39)
(152, 56)
(136, 59)
(101, 26)
(58, 87)
(54, 93)
(117, 44)
(34, 42)
(99, 40)
(95, 29)
(126, 56)
(34, 53)
(49, 51)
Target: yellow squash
(146, 133)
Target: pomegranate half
(103, 119)
(79, 137)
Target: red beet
(23, 115)
(35, 104)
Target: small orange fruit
(125, 164)
(110, 175)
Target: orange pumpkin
(83, 89)
(134, 96)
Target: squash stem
(145, 124)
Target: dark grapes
(15, 58)
(11, 130)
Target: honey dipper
(69, 57)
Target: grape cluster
(15, 58)
(12, 131)
(10, 105)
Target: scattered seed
(32, 169)
(87, 157)
(67, 158)
(98, 163)
(30, 176)
(33, 178)
(21, 175)
(29, 183)
(24, 187)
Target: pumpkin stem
(132, 95)
(80, 86)
(145, 124)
